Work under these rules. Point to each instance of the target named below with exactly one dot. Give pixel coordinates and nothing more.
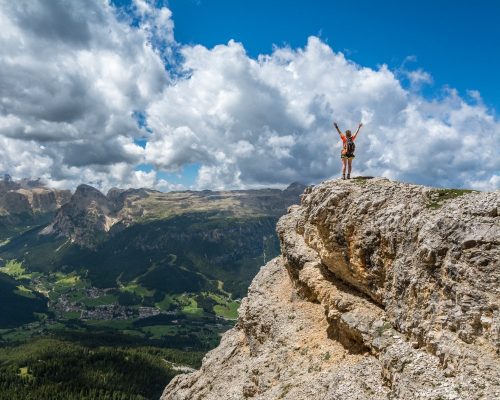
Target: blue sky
(456, 41)
(219, 94)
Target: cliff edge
(384, 290)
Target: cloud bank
(71, 77)
(73, 80)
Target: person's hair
(348, 132)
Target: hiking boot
(348, 176)
(343, 177)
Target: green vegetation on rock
(438, 196)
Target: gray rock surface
(383, 290)
(85, 218)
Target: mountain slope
(18, 304)
(134, 282)
(27, 203)
(167, 242)
(383, 290)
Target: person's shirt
(344, 141)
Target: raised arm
(337, 128)
(359, 127)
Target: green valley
(148, 277)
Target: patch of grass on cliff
(381, 329)
(438, 196)
(361, 180)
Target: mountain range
(111, 295)
(163, 243)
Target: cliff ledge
(384, 290)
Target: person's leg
(349, 167)
(344, 162)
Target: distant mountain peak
(29, 197)
(295, 188)
(294, 185)
(87, 190)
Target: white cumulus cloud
(269, 121)
(76, 76)
(71, 77)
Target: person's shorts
(347, 155)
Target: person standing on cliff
(348, 148)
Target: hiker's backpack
(350, 146)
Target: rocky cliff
(85, 218)
(383, 290)
(29, 197)
(26, 203)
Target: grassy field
(167, 303)
(24, 291)
(99, 301)
(15, 269)
(111, 324)
(229, 311)
(159, 331)
(71, 315)
(225, 307)
(189, 305)
(137, 289)
(72, 280)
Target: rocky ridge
(90, 214)
(384, 290)
(29, 197)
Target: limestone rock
(383, 290)
(29, 197)
(44, 200)
(85, 218)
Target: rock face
(26, 197)
(383, 291)
(87, 216)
